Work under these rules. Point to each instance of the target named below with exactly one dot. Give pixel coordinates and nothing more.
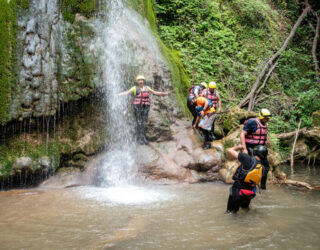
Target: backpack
(191, 89)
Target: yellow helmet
(203, 84)
(264, 113)
(140, 77)
(212, 85)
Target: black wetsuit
(237, 200)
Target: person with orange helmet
(141, 106)
(206, 112)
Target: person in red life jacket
(247, 176)
(212, 94)
(205, 111)
(255, 132)
(141, 106)
(194, 91)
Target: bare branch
(314, 45)
(275, 56)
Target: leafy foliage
(229, 42)
(70, 7)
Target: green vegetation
(70, 7)
(8, 52)
(229, 42)
(179, 76)
(15, 148)
(8, 42)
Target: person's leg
(206, 136)
(212, 137)
(245, 201)
(144, 127)
(233, 201)
(139, 122)
(265, 163)
(192, 111)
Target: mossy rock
(316, 119)
(231, 140)
(313, 136)
(235, 117)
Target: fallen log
(290, 134)
(298, 184)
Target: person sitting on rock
(255, 132)
(247, 176)
(141, 106)
(205, 111)
(194, 91)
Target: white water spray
(126, 47)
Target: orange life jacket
(141, 97)
(259, 137)
(201, 102)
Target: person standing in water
(255, 132)
(247, 176)
(141, 106)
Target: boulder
(316, 119)
(313, 136)
(180, 159)
(23, 163)
(301, 149)
(235, 117)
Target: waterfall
(126, 47)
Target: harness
(259, 137)
(213, 97)
(141, 97)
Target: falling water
(124, 41)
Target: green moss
(180, 79)
(78, 80)
(8, 44)
(24, 4)
(70, 7)
(15, 148)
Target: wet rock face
(181, 159)
(48, 61)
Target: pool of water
(157, 217)
(301, 172)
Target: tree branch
(314, 45)
(294, 147)
(275, 56)
(290, 134)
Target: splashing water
(125, 45)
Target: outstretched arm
(125, 92)
(157, 92)
(234, 151)
(243, 141)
